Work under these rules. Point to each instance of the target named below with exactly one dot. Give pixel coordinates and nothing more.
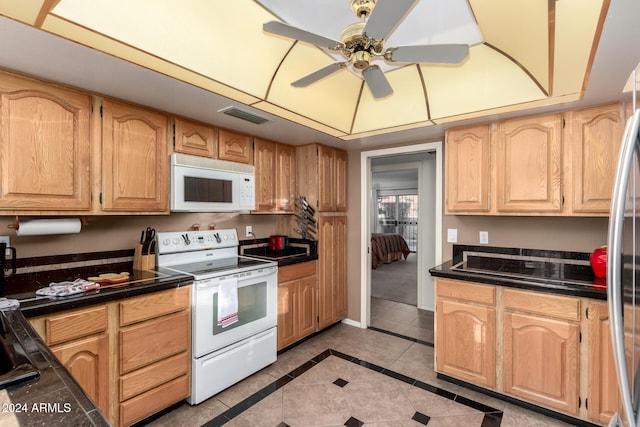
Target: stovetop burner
(219, 267)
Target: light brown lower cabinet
(602, 380)
(132, 357)
(87, 359)
(466, 332)
(297, 300)
(550, 350)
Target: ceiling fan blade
(377, 82)
(319, 74)
(434, 53)
(289, 31)
(385, 17)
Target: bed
(387, 247)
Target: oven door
(257, 309)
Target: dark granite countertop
(23, 286)
(54, 398)
(558, 272)
(298, 251)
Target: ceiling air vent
(244, 115)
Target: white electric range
(224, 355)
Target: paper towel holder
(16, 225)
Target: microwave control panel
(247, 192)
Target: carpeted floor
(396, 281)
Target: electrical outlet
(5, 239)
(484, 237)
(249, 231)
(452, 235)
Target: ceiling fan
(363, 41)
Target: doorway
(423, 230)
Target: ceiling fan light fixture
(360, 59)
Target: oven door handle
(208, 283)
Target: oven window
(207, 190)
(252, 305)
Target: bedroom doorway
(414, 214)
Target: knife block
(143, 262)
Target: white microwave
(199, 184)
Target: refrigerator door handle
(614, 263)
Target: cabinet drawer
(154, 375)
(158, 304)
(154, 400)
(76, 324)
(544, 304)
(296, 271)
(148, 342)
(483, 294)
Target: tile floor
(402, 319)
(354, 377)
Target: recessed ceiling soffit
(520, 53)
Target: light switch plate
(452, 235)
(484, 237)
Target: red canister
(598, 260)
(278, 242)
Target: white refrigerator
(623, 275)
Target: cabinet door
(528, 165)
(541, 361)
(234, 146)
(326, 181)
(332, 279)
(602, 383)
(45, 150)
(265, 167)
(340, 179)
(596, 134)
(287, 302)
(285, 175)
(306, 306)
(195, 139)
(466, 337)
(467, 169)
(88, 362)
(339, 265)
(134, 159)
(326, 242)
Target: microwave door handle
(614, 263)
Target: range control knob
(166, 242)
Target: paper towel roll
(40, 227)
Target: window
(398, 213)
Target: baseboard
(350, 322)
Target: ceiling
(196, 59)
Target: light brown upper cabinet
(528, 165)
(46, 145)
(560, 164)
(134, 159)
(234, 146)
(322, 177)
(275, 169)
(594, 136)
(195, 139)
(467, 170)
